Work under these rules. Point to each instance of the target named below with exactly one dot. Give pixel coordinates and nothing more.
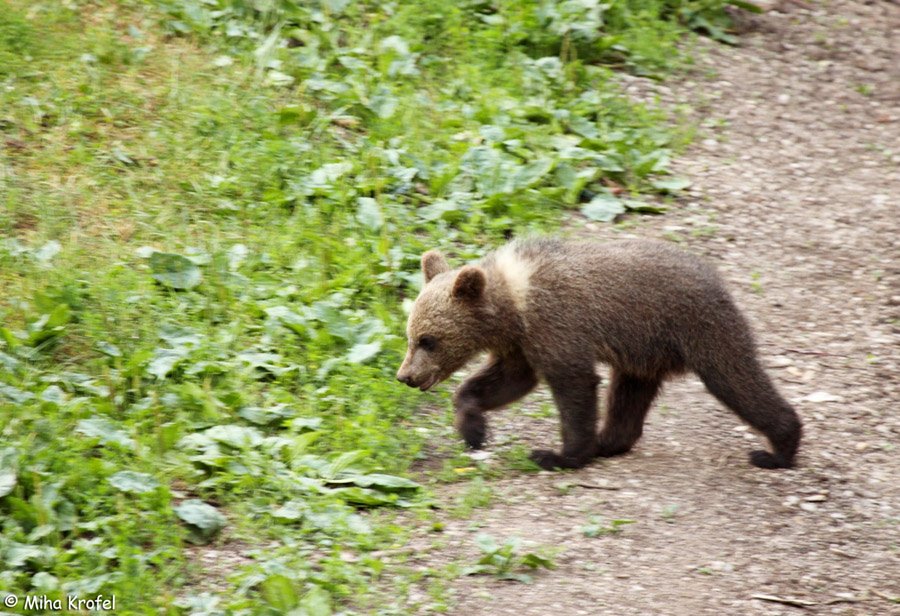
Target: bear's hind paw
(764, 459)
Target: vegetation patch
(212, 213)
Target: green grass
(211, 214)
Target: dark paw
(473, 432)
(546, 459)
(606, 449)
(549, 460)
(764, 459)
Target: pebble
(780, 362)
(822, 396)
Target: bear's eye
(427, 343)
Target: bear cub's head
(446, 327)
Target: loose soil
(796, 196)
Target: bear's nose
(405, 379)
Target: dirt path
(797, 197)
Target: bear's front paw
(548, 460)
(473, 429)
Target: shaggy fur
(545, 309)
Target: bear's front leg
(576, 399)
(499, 381)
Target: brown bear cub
(549, 309)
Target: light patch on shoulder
(517, 273)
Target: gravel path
(796, 197)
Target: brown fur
(551, 310)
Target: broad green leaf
(175, 271)
(369, 213)
(317, 602)
(265, 416)
(383, 104)
(266, 362)
(290, 511)
(103, 429)
(362, 352)
(46, 252)
(437, 209)
(14, 394)
(584, 127)
(235, 436)
(672, 184)
(59, 317)
(180, 336)
(279, 592)
(288, 318)
(610, 164)
(48, 325)
(204, 519)
(492, 133)
(108, 348)
(532, 173)
(237, 254)
(7, 482)
(365, 497)
(8, 362)
(396, 44)
(134, 482)
(307, 423)
(335, 322)
(387, 483)
(342, 463)
(277, 78)
(327, 174)
(533, 561)
(44, 582)
(164, 361)
(54, 394)
(17, 555)
(603, 208)
(486, 543)
(618, 523)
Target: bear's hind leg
(499, 381)
(627, 401)
(747, 391)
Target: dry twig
(784, 600)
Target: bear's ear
(469, 284)
(433, 263)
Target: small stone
(480, 455)
(780, 362)
(822, 396)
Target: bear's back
(637, 302)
